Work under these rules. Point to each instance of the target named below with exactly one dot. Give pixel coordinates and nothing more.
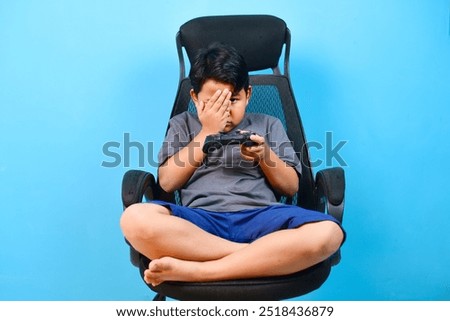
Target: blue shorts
(248, 225)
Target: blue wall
(75, 75)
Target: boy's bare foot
(171, 269)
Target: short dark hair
(222, 63)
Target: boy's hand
(214, 113)
(257, 152)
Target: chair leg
(159, 297)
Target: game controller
(217, 141)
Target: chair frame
(324, 193)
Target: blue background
(75, 75)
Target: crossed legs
(181, 251)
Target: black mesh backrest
(272, 94)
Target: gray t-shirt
(225, 182)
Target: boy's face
(236, 104)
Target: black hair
(222, 63)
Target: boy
(230, 225)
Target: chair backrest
(260, 39)
(251, 35)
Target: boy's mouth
(229, 126)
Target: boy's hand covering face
(219, 109)
(255, 153)
(214, 113)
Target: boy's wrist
(266, 160)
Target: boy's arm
(213, 115)
(281, 177)
(177, 169)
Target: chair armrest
(329, 195)
(330, 191)
(135, 185)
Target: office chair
(261, 40)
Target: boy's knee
(328, 239)
(333, 238)
(137, 220)
(130, 218)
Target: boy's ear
(194, 96)
(249, 93)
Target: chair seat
(258, 289)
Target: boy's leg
(155, 233)
(282, 252)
